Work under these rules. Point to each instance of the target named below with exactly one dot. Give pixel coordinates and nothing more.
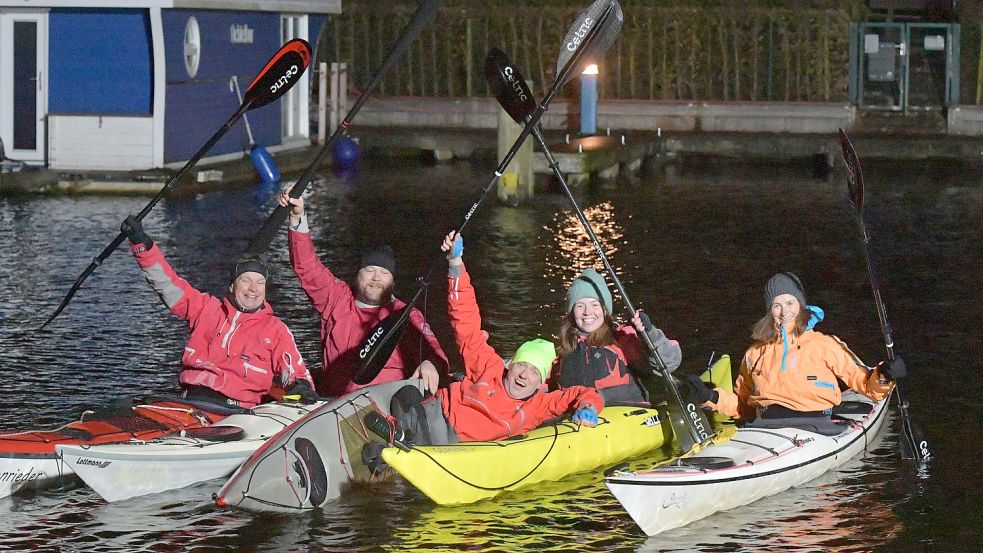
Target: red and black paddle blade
(854, 175)
(607, 16)
(380, 345)
(510, 88)
(281, 73)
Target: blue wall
(100, 61)
(198, 107)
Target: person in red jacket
(594, 351)
(349, 313)
(237, 345)
(496, 399)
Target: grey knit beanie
(590, 284)
(784, 283)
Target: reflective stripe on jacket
(234, 353)
(479, 408)
(345, 325)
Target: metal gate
(904, 66)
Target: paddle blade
(510, 88)
(854, 175)
(280, 74)
(605, 14)
(380, 345)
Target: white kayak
(314, 460)
(140, 467)
(753, 463)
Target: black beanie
(784, 283)
(252, 263)
(380, 256)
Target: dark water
(693, 248)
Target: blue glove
(894, 369)
(457, 249)
(585, 416)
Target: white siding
(100, 142)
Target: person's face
(588, 315)
(249, 290)
(374, 285)
(522, 380)
(784, 309)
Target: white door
(23, 83)
(295, 113)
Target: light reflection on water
(692, 249)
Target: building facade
(124, 85)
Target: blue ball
(345, 152)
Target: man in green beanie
(497, 399)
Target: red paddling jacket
(479, 408)
(345, 324)
(232, 352)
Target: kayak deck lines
(663, 498)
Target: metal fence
(716, 53)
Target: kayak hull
(753, 464)
(28, 459)
(314, 460)
(121, 471)
(473, 471)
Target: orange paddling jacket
(801, 377)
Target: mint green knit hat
(590, 284)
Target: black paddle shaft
(264, 236)
(696, 421)
(386, 334)
(913, 442)
(279, 75)
(688, 422)
(99, 259)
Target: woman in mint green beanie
(595, 351)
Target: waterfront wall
(619, 115)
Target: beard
(375, 296)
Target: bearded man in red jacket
(350, 312)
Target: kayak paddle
(264, 236)
(282, 71)
(688, 420)
(593, 32)
(913, 442)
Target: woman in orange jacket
(792, 371)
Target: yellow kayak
(472, 471)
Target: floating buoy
(268, 172)
(345, 152)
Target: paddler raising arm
(237, 345)
(349, 312)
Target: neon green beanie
(538, 353)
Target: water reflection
(693, 249)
